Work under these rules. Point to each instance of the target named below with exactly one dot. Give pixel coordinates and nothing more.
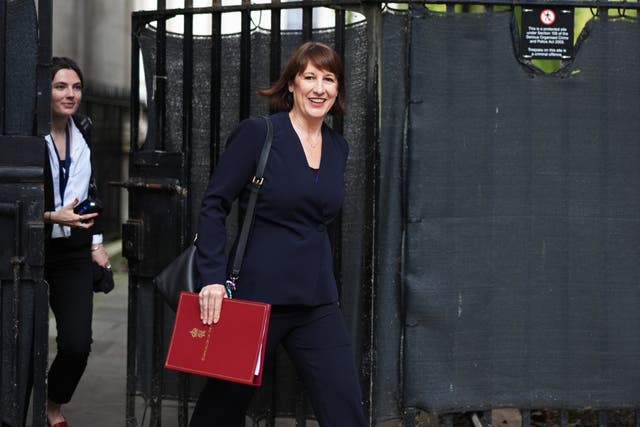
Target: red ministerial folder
(232, 349)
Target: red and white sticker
(547, 17)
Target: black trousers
(317, 341)
(69, 274)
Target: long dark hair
(63, 63)
(320, 55)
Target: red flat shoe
(60, 424)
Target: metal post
(187, 102)
(214, 96)
(160, 79)
(245, 63)
(372, 134)
(3, 47)
(307, 23)
(130, 404)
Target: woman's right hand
(211, 297)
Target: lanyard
(64, 170)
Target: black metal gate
(483, 206)
(189, 118)
(25, 44)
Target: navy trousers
(317, 341)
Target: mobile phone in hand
(88, 206)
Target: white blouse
(79, 175)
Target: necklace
(317, 136)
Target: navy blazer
(288, 259)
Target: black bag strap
(84, 125)
(247, 223)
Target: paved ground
(100, 397)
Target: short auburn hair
(320, 55)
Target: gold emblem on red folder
(197, 333)
(201, 333)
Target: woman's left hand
(99, 255)
(66, 216)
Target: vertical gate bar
(245, 62)
(338, 125)
(3, 47)
(214, 96)
(130, 406)
(157, 361)
(307, 23)
(2, 333)
(41, 342)
(270, 420)
(275, 61)
(160, 79)
(187, 107)
(187, 86)
(159, 93)
(187, 121)
(372, 134)
(13, 354)
(526, 417)
(339, 46)
(132, 329)
(15, 310)
(183, 399)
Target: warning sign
(547, 32)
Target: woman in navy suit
(288, 259)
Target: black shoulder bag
(181, 274)
(102, 277)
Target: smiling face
(314, 92)
(66, 93)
